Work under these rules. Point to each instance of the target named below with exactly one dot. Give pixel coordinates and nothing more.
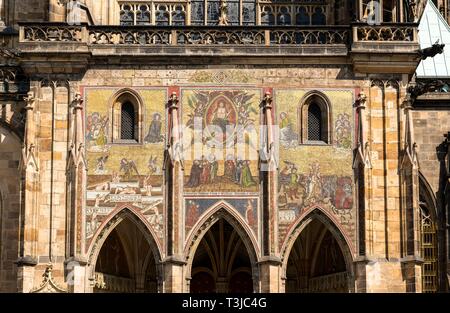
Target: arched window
(315, 118)
(318, 17)
(126, 16)
(143, 15)
(126, 119)
(314, 123)
(127, 122)
(428, 237)
(429, 251)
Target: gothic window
(178, 16)
(315, 117)
(388, 11)
(162, 15)
(126, 118)
(249, 12)
(302, 17)
(197, 12)
(429, 251)
(126, 16)
(318, 17)
(284, 16)
(213, 12)
(143, 16)
(314, 123)
(428, 238)
(267, 16)
(128, 122)
(236, 12)
(148, 13)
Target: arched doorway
(221, 262)
(316, 262)
(126, 261)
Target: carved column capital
(267, 101)
(361, 101)
(407, 102)
(173, 101)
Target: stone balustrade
(185, 35)
(389, 32)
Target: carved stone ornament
(432, 51)
(48, 285)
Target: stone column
(270, 265)
(29, 231)
(411, 260)
(173, 181)
(362, 171)
(383, 266)
(76, 184)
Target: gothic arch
(322, 216)
(431, 242)
(109, 225)
(122, 96)
(225, 211)
(426, 191)
(323, 102)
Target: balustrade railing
(217, 35)
(385, 32)
(186, 35)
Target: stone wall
(10, 154)
(429, 129)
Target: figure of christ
(221, 116)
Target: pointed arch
(116, 217)
(426, 193)
(120, 103)
(331, 225)
(430, 243)
(315, 115)
(223, 210)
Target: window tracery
(238, 12)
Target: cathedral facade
(222, 146)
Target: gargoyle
(435, 49)
(421, 88)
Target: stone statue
(223, 19)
